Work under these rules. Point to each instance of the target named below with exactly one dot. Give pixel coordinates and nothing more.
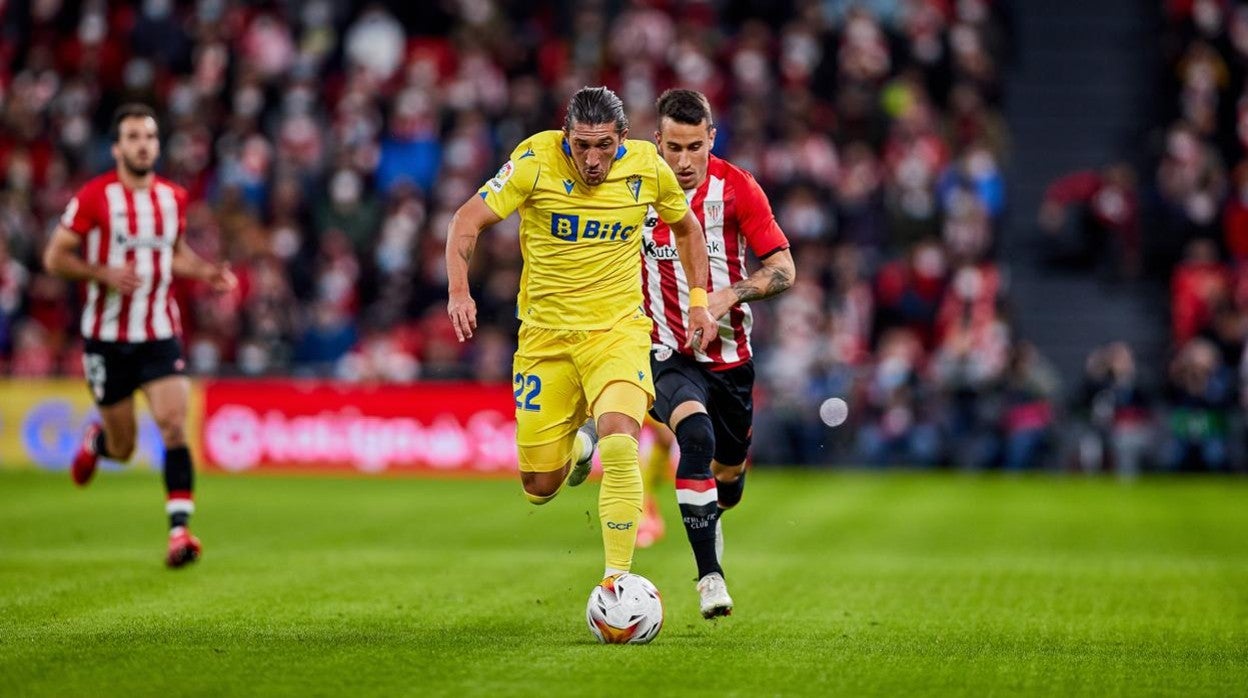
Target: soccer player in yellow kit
(584, 345)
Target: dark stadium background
(1013, 252)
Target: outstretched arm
(461, 239)
(190, 265)
(691, 246)
(773, 278)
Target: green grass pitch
(845, 584)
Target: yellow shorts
(558, 374)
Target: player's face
(593, 149)
(138, 145)
(687, 149)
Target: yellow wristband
(697, 297)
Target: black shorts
(114, 370)
(728, 396)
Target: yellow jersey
(581, 244)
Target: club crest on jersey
(634, 185)
(568, 227)
(714, 213)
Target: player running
(583, 194)
(122, 235)
(705, 394)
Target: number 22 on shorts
(527, 389)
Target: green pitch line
(850, 584)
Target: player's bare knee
(540, 488)
(618, 423)
(727, 474)
(120, 447)
(172, 431)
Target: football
(625, 609)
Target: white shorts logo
(662, 353)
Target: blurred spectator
(1029, 389)
(898, 428)
(1200, 395)
(1092, 220)
(1117, 429)
(1200, 283)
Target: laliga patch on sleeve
(501, 177)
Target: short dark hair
(595, 105)
(685, 107)
(130, 110)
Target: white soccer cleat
(714, 596)
(587, 437)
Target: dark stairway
(1081, 93)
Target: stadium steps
(1080, 93)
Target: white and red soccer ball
(625, 609)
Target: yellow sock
(619, 499)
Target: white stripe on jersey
(654, 291)
(144, 265)
(161, 324)
(93, 288)
(118, 229)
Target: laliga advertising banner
(285, 425)
(42, 421)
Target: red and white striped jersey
(120, 227)
(734, 212)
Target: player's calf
(696, 489)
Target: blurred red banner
(291, 425)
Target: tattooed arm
(461, 239)
(774, 277)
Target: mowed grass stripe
(850, 583)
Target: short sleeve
(513, 183)
(81, 215)
(670, 203)
(756, 219)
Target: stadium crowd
(325, 146)
(1191, 207)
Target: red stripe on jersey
(156, 257)
(696, 485)
(123, 320)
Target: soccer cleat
(713, 592)
(580, 469)
(86, 459)
(183, 548)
